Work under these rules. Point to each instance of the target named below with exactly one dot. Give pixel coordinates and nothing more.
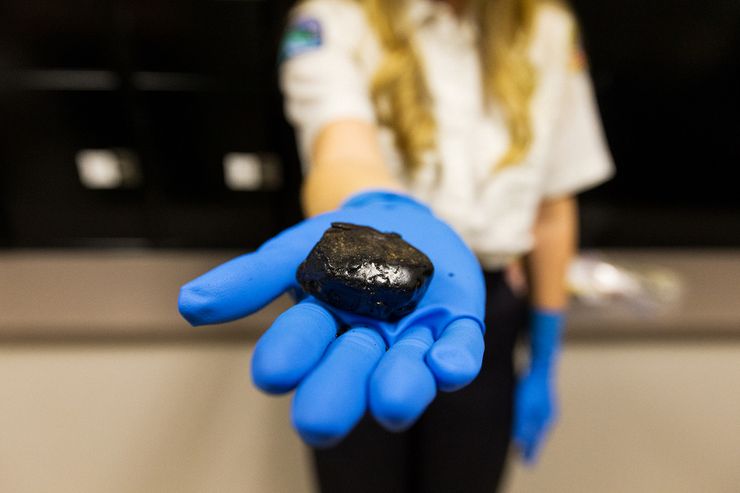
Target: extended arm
(345, 159)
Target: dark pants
(460, 444)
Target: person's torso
(492, 209)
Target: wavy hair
(401, 95)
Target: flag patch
(303, 35)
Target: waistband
(497, 262)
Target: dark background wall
(667, 76)
(182, 83)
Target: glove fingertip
(396, 405)
(291, 347)
(317, 434)
(394, 425)
(194, 306)
(453, 368)
(272, 380)
(457, 356)
(531, 453)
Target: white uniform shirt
(326, 76)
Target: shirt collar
(420, 12)
(424, 12)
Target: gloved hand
(438, 345)
(535, 405)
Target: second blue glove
(535, 406)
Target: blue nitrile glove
(438, 345)
(535, 405)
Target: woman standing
(413, 116)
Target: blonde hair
(400, 92)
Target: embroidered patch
(303, 35)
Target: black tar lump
(362, 270)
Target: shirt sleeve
(579, 157)
(320, 75)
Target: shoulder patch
(302, 35)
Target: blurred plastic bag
(596, 281)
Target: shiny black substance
(361, 270)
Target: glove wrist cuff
(543, 367)
(383, 196)
(545, 333)
(549, 316)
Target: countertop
(131, 295)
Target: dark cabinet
(174, 85)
